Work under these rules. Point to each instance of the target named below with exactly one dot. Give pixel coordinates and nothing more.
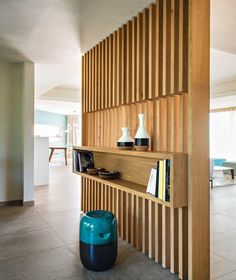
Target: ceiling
(53, 34)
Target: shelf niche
(135, 167)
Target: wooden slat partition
(143, 67)
(145, 58)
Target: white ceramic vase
(142, 138)
(125, 142)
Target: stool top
(98, 227)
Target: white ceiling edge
(49, 76)
(223, 89)
(59, 107)
(62, 94)
(223, 102)
(222, 67)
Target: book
(160, 184)
(85, 160)
(151, 187)
(75, 160)
(157, 179)
(167, 181)
(164, 181)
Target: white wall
(11, 176)
(14, 92)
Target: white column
(28, 133)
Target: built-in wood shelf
(126, 186)
(135, 167)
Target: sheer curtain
(223, 135)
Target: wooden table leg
(51, 153)
(232, 173)
(65, 155)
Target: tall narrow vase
(125, 142)
(142, 138)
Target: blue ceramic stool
(98, 240)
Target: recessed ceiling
(223, 25)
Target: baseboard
(18, 202)
(28, 203)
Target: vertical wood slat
(151, 228)
(139, 92)
(183, 245)
(144, 226)
(128, 217)
(92, 79)
(174, 265)
(118, 211)
(158, 233)
(123, 63)
(102, 96)
(138, 223)
(83, 85)
(106, 72)
(134, 58)
(165, 237)
(110, 70)
(158, 18)
(114, 70)
(99, 77)
(129, 63)
(123, 215)
(96, 78)
(133, 220)
(145, 56)
(119, 67)
(152, 52)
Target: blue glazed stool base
(98, 257)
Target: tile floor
(41, 242)
(223, 231)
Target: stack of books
(159, 180)
(83, 160)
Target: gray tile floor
(223, 231)
(42, 242)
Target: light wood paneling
(147, 58)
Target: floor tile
(16, 212)
(220, 266)
(69, 234)
(15, 226)
(14, 245)
(64, 218)
(58, 206)
(52, 264)
(135, 268)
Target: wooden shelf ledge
(127, 186)
(148, 154)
